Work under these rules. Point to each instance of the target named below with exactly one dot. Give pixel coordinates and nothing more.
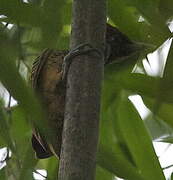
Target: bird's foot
(81, 49)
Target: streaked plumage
(48, 85)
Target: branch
(81, 124)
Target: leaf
(166, 86)
(161, 105)
(146, 86)
(168, 70)
(49, 27)
(149, 10)
(102, 174)
(158, 129)
(126, 15)
(171, 176)
(28, 164)
(51, 165)
(19, 127)
(23, 13)
(52, 168)
(111, 154)
(119, 13)
(140, 84)
(138, 140)
(4, 131)
(2, 174)
(166, 9)
(18, 88)
(113, 160)
(53, 16)
(163, 110)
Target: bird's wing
(38, 66)
(38, 143)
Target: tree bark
(81, 124)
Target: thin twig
(36, 171)
(167, 167)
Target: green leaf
(53, 16)
(4, 131)
(28, 164)
(138, 141)
(147, 86)
(102, 174)
(18, 88)
(161, 102)
(166, 9)
(52, 168)
(126, 14)
(47, 19)
(140, 84)
(113, 160)
(51, 165)
(162, 110)
(118, 12)
(149, 10)
(2, 174)
(166, 87)
(158, 129)
(112, 154)
(20, 128)
(23, 13)
(171, 176)
(168, 68)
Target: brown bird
(47, 82)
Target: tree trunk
(81, 124)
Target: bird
(119, 46)
(50, 87)
(46, 80)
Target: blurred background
(137, 100)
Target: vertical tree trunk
(80, 133)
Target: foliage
(125, 146)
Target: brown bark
(80, 132)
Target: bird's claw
(81, 49)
